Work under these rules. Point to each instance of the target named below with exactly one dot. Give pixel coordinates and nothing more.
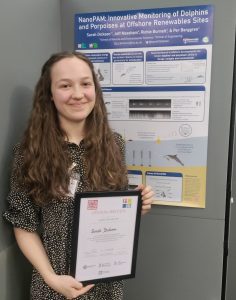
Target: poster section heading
(178, 26)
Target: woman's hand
(147, 197)
(67, 286)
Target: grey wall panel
(15, 274)
(179, 258)
(231, 274)
(29, 33)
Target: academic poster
(154, 66)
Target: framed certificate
(105, 235)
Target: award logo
(127, 202)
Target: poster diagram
(154, 66)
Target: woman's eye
(87, 83)
(65, 85)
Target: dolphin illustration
(174, 157)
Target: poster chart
(154, 66)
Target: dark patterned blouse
(55, 223)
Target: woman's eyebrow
(70, 79)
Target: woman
(68, 133)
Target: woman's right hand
(67, 286)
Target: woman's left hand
(147, 197)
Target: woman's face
(73, 91)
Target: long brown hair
(44, 151)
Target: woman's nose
(77, 92)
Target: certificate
(105, 235)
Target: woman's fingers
(147, 197)
(68, 286)
(85, 289)
(81, 291)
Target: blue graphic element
(164, 174)
(176, 26)
(154, 89)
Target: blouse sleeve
(21, 211)
(121, 143)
